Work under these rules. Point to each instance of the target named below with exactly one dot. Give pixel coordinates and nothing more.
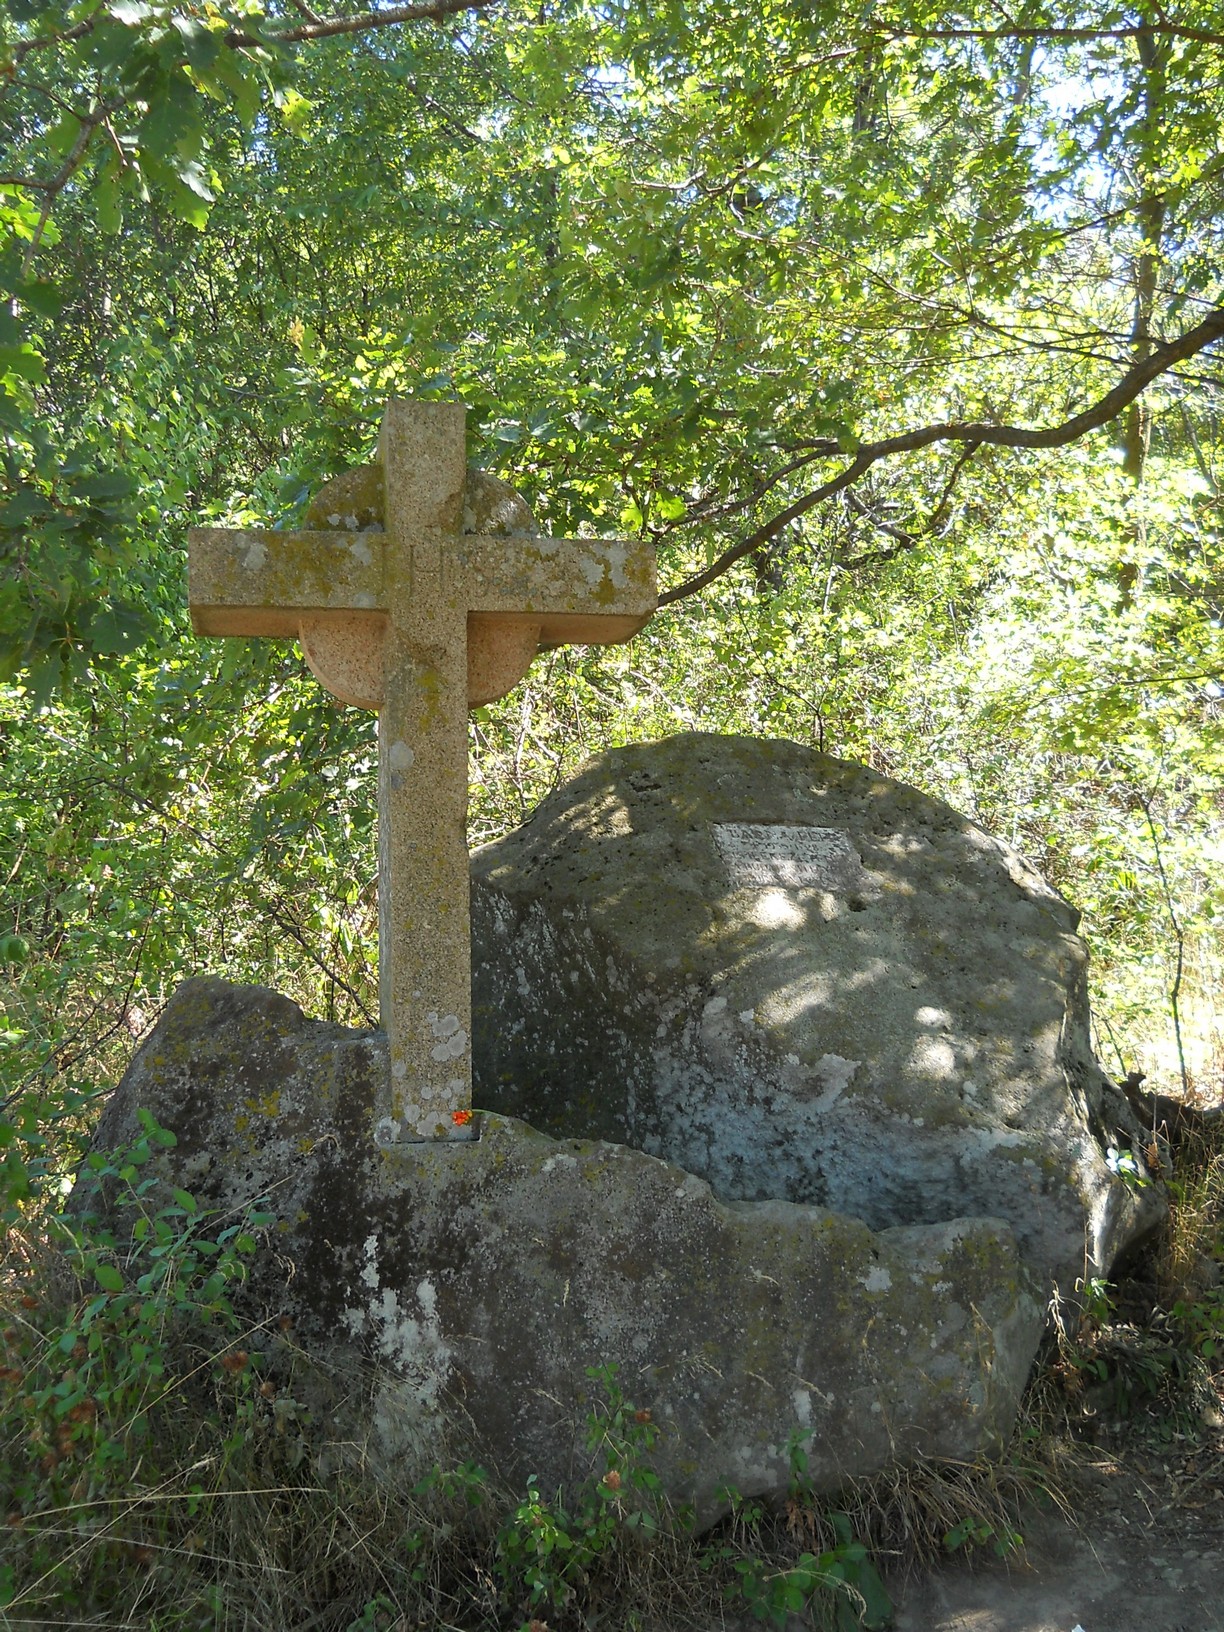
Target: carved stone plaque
(758, 855)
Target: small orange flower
(461, 1118)
(642, 1416)
(235, 1362)
(612, 1479)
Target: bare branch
(710, 509)
(360, 22)
(1135, 380)
(906, 541)
(937, 514)
(1126, 31)
(58, 182)
(23, 47)
(770, 530)
(316, 28)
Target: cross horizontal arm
(569, 583)
(260, 582)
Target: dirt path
(1146, 1555)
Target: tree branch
(1136, 379)
(905, 541)
(89, 123)
(317, 28)
(770, 530)
(23, 47)
(360, 22)
(1126, 31)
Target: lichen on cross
(420, 620)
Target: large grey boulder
(802, 981)
(484, 1279)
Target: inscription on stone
(757, 855)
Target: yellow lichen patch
(269, 1105)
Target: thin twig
(907, 541)
(1131, 31)
(937, 514)
(1180, 939)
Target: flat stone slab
(484, 1279)
(801, 980)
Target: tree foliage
(897, 330)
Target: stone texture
(403, 605)
(485, 1278)
(800, 980)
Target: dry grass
(233, 1513)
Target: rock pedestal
(484, 1279)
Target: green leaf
(108, 1278)
(201, 44)
(107, 200)
(295, 110)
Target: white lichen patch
(413, 1345)
(369, 1270)
(256, 556)
(452, 1039)
(399, 756)
(836, 1073)
(877, 1279)
(592, 568)
(451, 1048)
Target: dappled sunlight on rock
(681, 941)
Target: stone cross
(420, 621)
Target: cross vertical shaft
(423, 880)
